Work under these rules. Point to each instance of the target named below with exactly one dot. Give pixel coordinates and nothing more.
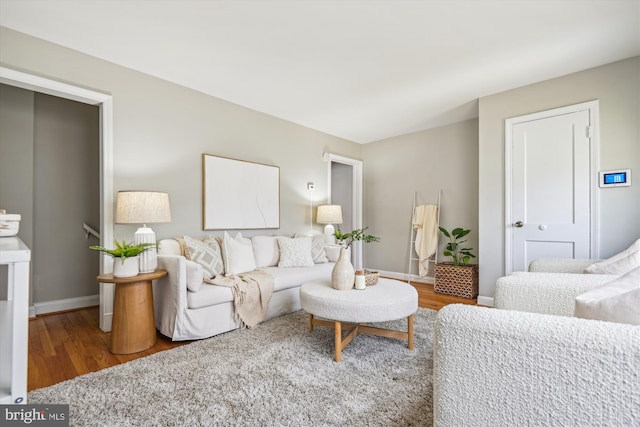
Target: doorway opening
(345, 189)
(105, 103)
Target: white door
(550, 214)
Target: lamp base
(329, 238)
(148, 258)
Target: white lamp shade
(142, 207)
(329, 214)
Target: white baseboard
(487, 301)
(404, 276)
(63, 304)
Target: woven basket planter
(456, 280)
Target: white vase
(343, 274)
(128, 268)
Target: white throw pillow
(615, 301)
(195, 276)
(295, 252)
(266, 250)
(237, 254)
(620, 263)
(317, 248)
(206, 253)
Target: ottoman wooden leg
(410, 331)
(310, 322)
(338, 335)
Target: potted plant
(343, 274)
(346, 239)
(458, 277)
(128, 254)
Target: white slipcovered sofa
(187, 308)
(509, 368)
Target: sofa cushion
(237, 253)
(195, 275)
(265, 250)
(295, 252)
(616, 301)
(209, 295)
(620, 263)
(206, 253)
(285, 278)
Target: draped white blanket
(251, 295)
(425, 221)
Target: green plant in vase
(346, 239)
(124, 250)
(454, 249)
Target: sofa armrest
(546, 293)
(170, 293)
(499, 368)
(560, 265)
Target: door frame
(593, 107)
(356, 203)
(104, 101)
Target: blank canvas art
(239, 194)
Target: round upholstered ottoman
(388, 300)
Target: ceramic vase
(343, 274)
(128, 268)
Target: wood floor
(65, 345)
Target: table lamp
(143, 207)
(329, 214)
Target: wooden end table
(133, 328)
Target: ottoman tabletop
(387, 300)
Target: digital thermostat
(619, 178)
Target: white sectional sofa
(186, 310)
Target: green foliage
(454, 248)
(355, 235)
(124, 250)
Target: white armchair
(550, 286)
(508, 368)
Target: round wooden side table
(133, 328)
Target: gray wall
(16, 162)
(66, 193)
(617, 87)
(50, 156)
(443, 158)
(161, 130)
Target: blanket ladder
(413, 255)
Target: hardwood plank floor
(67, 344)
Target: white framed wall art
(238, 194)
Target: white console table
(14, 321)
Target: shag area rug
(277, 374)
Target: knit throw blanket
(251, 295)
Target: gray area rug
(277, 374)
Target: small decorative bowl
(371, 277)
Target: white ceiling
(361, 70)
